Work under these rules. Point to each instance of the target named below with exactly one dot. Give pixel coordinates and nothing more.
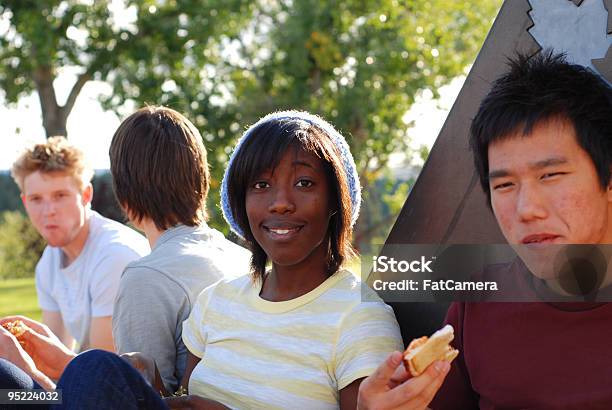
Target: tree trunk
(54, 115)
(54, 123)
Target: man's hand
(11, 350)
(49, 354)
(147, 368)
(192, 402)
(391, 387)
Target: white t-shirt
(296, 354)
(87, 287)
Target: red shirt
(529, 356)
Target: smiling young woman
(292, 334)
(291, 191)
(289, 209)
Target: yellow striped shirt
(296, 354)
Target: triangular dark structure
(447, 205)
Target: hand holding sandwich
(11, 350)
(410, 380)
(49, 354)
(392, 387)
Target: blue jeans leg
(13, 378)
(101, 380)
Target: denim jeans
(12, 377)
(93, 380)
(101, 380)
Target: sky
(91, 128)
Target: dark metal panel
(608, 6)
(604, 65)
(446, 205)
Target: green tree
(9, 194)
(360, 64)
(20, 246)
(382, 203)
(150, 52)
(161, 45)
(224, 63)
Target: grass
(18, 297)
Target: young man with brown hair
(78, 274)
(161, 180)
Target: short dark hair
(159, 168)
(538, 89)
(263, 150)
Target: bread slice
(425, 350)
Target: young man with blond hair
(78, 274)
(161, 179)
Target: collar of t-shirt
(285, 306)
(180, 230)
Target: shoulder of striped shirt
(350, 283)
(361, 294)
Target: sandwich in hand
(16, 328)
(425, 350)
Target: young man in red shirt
(542, 144)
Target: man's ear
(24, 201)
(87, 195)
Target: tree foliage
(159, 41)
(360, 64)
(20, 246)
(224, 63)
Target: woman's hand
(392, 387)
(49, 354)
